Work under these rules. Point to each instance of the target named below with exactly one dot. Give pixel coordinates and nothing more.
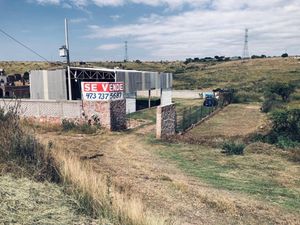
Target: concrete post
(149, 98)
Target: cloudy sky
(154, 29)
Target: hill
(245, 74)
(248, 78)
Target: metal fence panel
(192, 115)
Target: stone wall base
(109, 114)
(165, 121)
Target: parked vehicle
(210, 101)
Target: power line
(25, 46)
(126, 51)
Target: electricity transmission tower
(126, 51)
(246, 48)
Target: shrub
(286, 143)
(233, 148)
(284, 90)
(285, 132)
(286, 123)
(68, 125)
(245, 97)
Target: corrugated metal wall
(36, 84)
(57, 87)
(51, 85)
(138, 81)
(48, 85)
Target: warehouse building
(54, 84)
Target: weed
(68, 125)
(85, 127)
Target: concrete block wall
(111, 114)
(45, 111)
(165, 121)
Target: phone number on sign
(104, 96)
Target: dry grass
(101, 195)
(24, 201)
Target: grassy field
(235, 120)
(150, 115)
(239, 74)
(269, 176)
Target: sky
(155, 29)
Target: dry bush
(99, 194)
(19, 149)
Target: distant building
(2, 72)
(235, 58)
(11, 91)
(3, 80)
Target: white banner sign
(102, 91)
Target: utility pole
(68, 58)
(64, 51)
(126, 52)
(246, 47)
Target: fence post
(190, 117)
(183, 120)
(201, 112)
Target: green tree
(282, 89)
(26, 76)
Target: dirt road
(132, 162)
